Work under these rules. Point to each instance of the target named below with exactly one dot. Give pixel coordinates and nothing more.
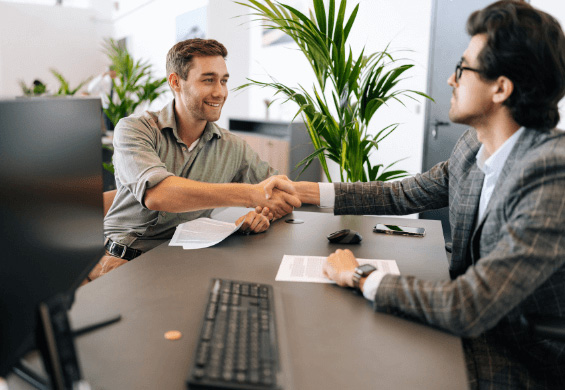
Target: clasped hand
(278, 194)
(256, 221)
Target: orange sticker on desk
(173, 335)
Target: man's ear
(174, 82)
(503, 88)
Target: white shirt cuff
(327, 194)
(372, 284)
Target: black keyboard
(237, 347)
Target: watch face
(366, 268)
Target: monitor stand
(55, 341)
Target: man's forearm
(179, 195)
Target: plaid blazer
(509, 263)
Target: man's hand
(278, 194)
(340, 266)
(281, 182)
(256, 221)
(106, 264)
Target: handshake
(281, 195)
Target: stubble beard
(198, 111)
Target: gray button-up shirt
(147, 149)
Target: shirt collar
(495, 162)
(166, 120)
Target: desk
(335, 339)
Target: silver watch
(362, 271)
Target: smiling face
(471, 102)
(202, 95)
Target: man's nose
(219, 90)
(451, 80)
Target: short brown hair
(179, 57)
(527, 46)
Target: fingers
(255, 221)
(291, 200)
(280, 182)
(247, 220)
(339, 266)
(282, 203)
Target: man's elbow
(152, 201)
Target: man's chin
(212, 118)
(454, 118)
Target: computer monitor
(51, 212)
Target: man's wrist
(362, 282)
(361, 272)
(308, 192)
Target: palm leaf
(358, 86)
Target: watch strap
(360, 272)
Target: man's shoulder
(145, 121)
(547, 148)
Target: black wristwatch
(362, 271)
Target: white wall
(405, 24)
(35, 38)
(150, 28)
(555, 8)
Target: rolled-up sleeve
(137, 164)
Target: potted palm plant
(348, 91)
(133, 85)
(64, 85)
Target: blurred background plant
(64, 86)
(133, 85)
(37, 88)
(357, 87)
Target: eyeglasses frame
(459, 70)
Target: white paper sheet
(309, 268)
(202, 233)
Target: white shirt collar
(495, 163)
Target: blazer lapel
(465, 219)
(520, 149)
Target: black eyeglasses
(459, 70)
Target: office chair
(108, 199)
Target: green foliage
(108, 166)
(37, 88)
(358, 86)
(133, 84)
(64, 86)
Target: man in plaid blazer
(505, 187)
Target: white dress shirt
(490, 165)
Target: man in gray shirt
(169, 164)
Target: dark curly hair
(179, 57)
(527, 46)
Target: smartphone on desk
(399, 230)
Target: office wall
(34, 38)
(150, 29)
(557, 9)
(405, 24)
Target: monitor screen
(51, 212)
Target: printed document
(202, 233)
(309, 268)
